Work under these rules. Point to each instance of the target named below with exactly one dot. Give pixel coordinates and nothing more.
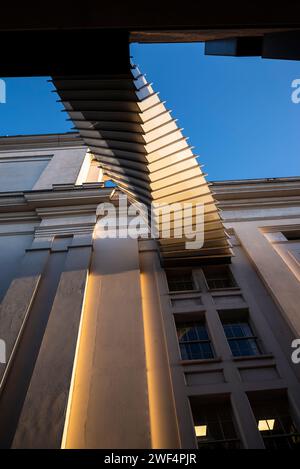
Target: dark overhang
(279, 45)
(147, 17)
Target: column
(43, 414)
(281, 282)
(246, 421)
(108, 407)
(19, 297)
(164, 426)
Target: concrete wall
(45, 252)
(225, 375)
(63, 168)
(90, 325)
(255, 211)
(21, 173)
(40, 163)
(12, 249)
(39, 320)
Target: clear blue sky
(237, 112)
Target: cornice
(27, 142)
(75, 198)
(257, 194)
(259, 203)
(256, 189)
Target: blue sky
(237, 112)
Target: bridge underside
(199, 19)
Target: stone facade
(95, 329)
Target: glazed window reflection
(241, 339)
(194, 341)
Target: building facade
(109, 346)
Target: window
(214, 426)
(293, 235)
(194, 341)
(180, 280)
(241, 338)
(218, 277)
(275, 423)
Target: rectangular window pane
(192, 331)
(219, 277)
(194, 341)
(243, 347)
(196, 351)
(180, 281)
(293, 235)
(214, 426)
(241, 339)
(275, 422)
(201, 332)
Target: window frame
(214, 408)
(234, 285)
(236, 317)
(198, 322)
(264, 411)
(292, 232)
(170, 272)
